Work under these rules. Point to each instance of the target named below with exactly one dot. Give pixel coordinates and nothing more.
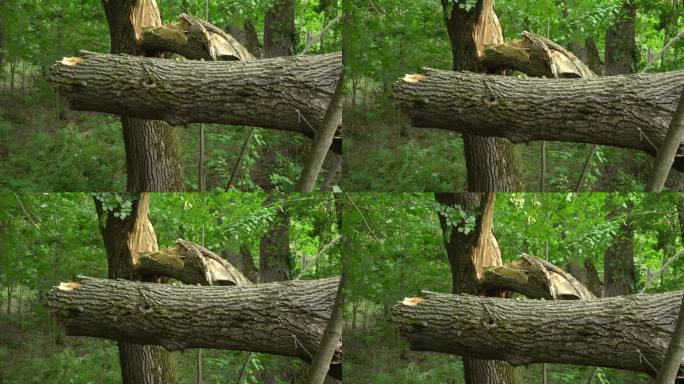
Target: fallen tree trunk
(286, 318)
(625, 332)
(632, 111)
(291, 93)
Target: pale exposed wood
(142, 238)
(195, 39)
(536, 56)
(535, 278)
(191, 264)
(144, 14)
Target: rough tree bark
(279, 29)
(618, 260)
(243, 261)
(671, 369)
(575, 110)
(621, 53)
(286, 318)
(284, 93)
(247, 36)
(275, 261)
(626, 332)
(153, 161)
(124, 240)
(469, 257)
(493, 164)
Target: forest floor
(378, 355)
(46, 148)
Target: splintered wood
(71, 61)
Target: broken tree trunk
(625, 332)
(632, 111)
(194, 38)
(535, 278)
(291, 93)
(286, 318)
(536, 56)
(191, 264)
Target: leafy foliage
(49, 238)
(45, 147)
(395, 248)
(388, 39)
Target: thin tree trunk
(10, 289)
(331, 340)
(671, 368)
(332, 174)
(668, 151)
(322, 141)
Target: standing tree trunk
(279, 29)
(140, 364)
(493, 164)
(153, 161)
(469, 255)
(275, 262)
(621, 51)
(618, 261)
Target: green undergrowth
(378, 355)
(45, 151)
(384, 154)
(33, 351)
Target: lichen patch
(71, 61)
(415, 78)
(413, 301)
(70, 286)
